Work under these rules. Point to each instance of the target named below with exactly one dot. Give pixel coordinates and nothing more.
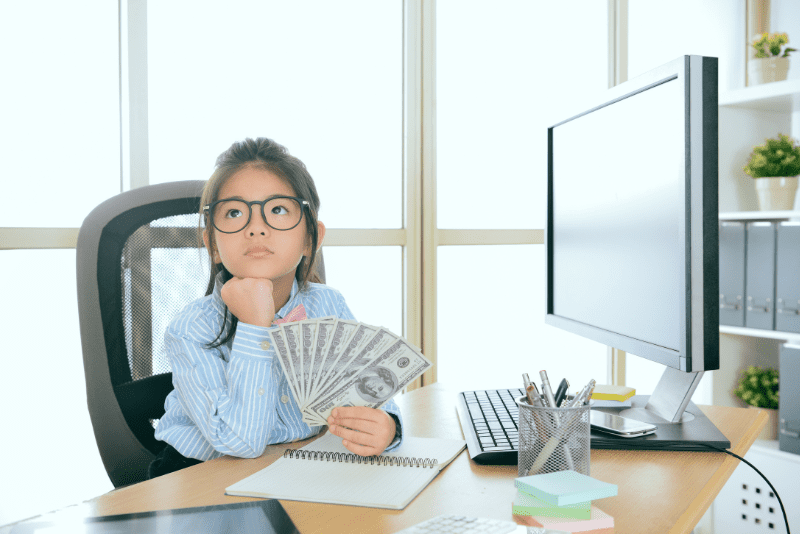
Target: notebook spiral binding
(403, 461)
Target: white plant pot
(776, 193)
(766, 70)
(770, 430)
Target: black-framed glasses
(231, 215)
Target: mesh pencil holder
(552, 439)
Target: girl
(231, 397)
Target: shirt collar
(294, 301)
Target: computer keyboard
(460, 524)
(489, 422)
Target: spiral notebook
(325, 471)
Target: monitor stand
(681, 424)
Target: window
(311, 75)
(503, 77)
(422, 123)
(60, 141)
(60, 110)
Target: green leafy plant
(775, 158)
(771, 45)
(759, 387)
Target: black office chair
(139, 262)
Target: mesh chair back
(139, 262)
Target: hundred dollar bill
(366, 352)
(308, 332)
(357, 341)
(282, 351)
(387, 374)
(321, 342)
(339, 336)
(291, 333)
(361, 348)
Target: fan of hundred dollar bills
(331, 362)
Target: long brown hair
(266, 154)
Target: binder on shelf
(760, 276)
(731, 273)
(787, 277)
(788, 407)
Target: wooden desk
(659, 492)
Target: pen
(548, 392)
(588, 390)
(581, 397)
(561, 392)
(534, 400)
(548, 395)
(531, 391)
(526, 382)
(589, 395)
(537, 397)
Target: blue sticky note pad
(565, 487)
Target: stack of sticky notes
(605, 396)
(563, 501)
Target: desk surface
(659, 491)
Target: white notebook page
(378, 486)
(336, 483)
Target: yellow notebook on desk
(325, 471)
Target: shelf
(781, 96)
(759, 215)
(771, 448)
(754, 332)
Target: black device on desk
(266, 516)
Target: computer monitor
(632, 237)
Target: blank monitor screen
(617, 231)
(628, 245)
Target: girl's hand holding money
(364, 431)
(250, 300)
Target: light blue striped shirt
(235, 400)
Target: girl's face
(260, 251)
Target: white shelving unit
(783, 97)
(759, 215)
(754, 332)
(765, 101)
(750, 115)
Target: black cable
(785, 519)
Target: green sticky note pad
(525, 504)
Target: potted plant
(775, 166)
(758, 388)
(771, 62)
